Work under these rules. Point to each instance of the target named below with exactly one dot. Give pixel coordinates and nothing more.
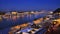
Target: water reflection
(14, 18)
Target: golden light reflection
(24, 25)
(37, 21)
(17, 27)
(41, 19)
(14, 17)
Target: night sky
(29, 4)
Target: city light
(32, 12)
(30, 22)
(51, 12)
(14, 13)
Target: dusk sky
(29, 4)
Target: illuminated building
(14, 13)
(7, 15)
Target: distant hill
(57, 11)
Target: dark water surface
(5, 25)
